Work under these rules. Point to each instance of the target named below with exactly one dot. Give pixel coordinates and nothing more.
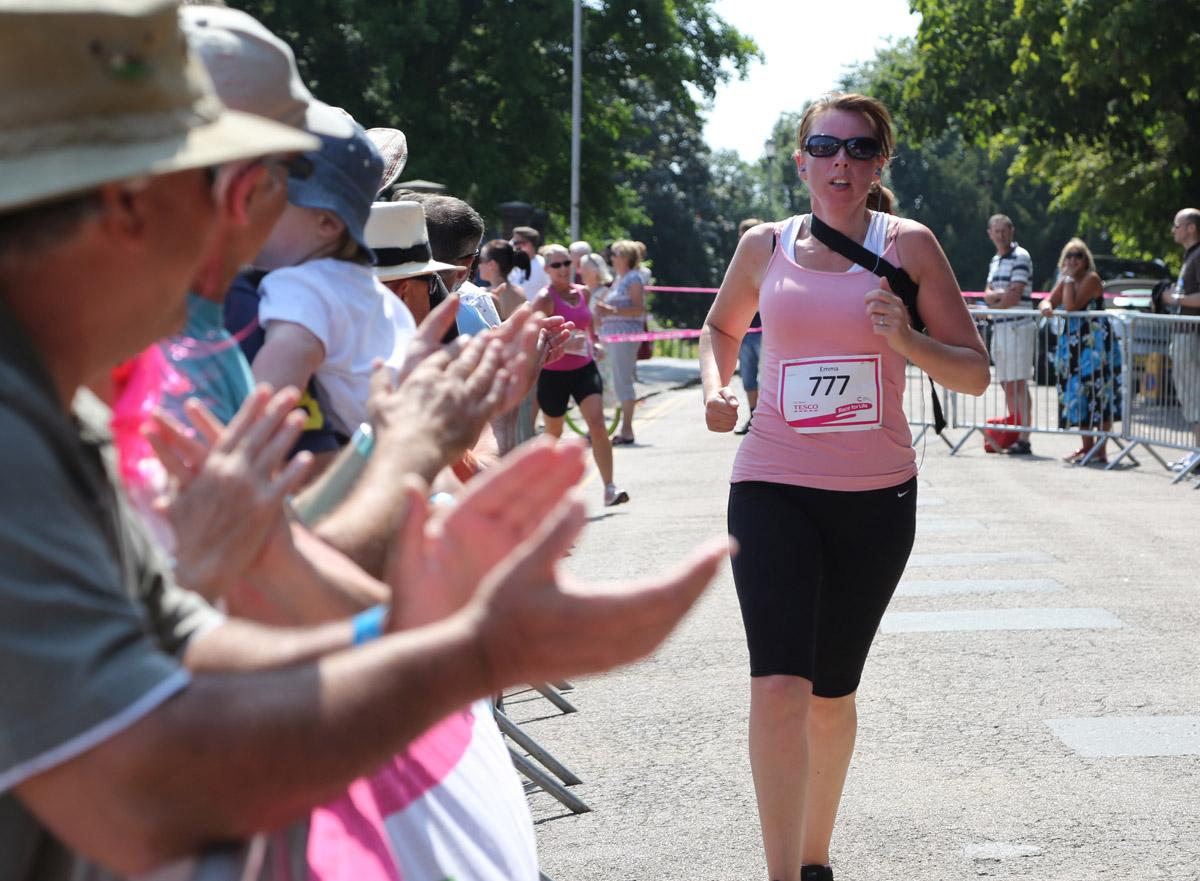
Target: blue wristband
(368, 625)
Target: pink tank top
(581, 339)
(840, 386)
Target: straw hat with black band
(96, 91)
(396, 233)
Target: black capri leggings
(815, 573)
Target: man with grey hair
(137, 725)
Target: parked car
(1130, 284)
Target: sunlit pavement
(1031, 708)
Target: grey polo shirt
(91, 624)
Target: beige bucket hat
(254, 71)
(93, 91)
(396, 233)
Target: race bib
(832, 393)
(577, 344)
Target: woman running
(574, 375)
(824, 489)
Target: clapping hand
(228, 485)
(440, 557)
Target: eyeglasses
(824, 146)
(559, 265)
(296, 166)
(1075, 255)
(470, 255)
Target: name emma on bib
(832, 393)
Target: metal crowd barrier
(1127, 377)
(1164, 387)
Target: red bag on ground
(995, 440)
(646, 350)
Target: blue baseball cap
(346, 173)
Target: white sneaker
(614, 496)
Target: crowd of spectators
(1083, 348)
(350, 551)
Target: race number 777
(817, 380)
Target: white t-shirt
(538, 278)
(450, 806)
(354, 316)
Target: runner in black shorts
(574, 374)
(823, 497)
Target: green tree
(1098, 99)
(482, 88)
(953, 184)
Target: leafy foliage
(953, 184)
(482, 88)
(1098, 99)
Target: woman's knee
(832, 713)
(781, 696)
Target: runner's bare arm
(952, 353)
(726, 324)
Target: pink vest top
(805, 315)
(581, 314)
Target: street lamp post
(770, 151)
(576, 111)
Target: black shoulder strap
(900, 281)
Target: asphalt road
(960, 770)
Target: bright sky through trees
(807, 44)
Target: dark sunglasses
(824, 146)
(559, 265)
(1075, 255)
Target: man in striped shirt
(1013, 339)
